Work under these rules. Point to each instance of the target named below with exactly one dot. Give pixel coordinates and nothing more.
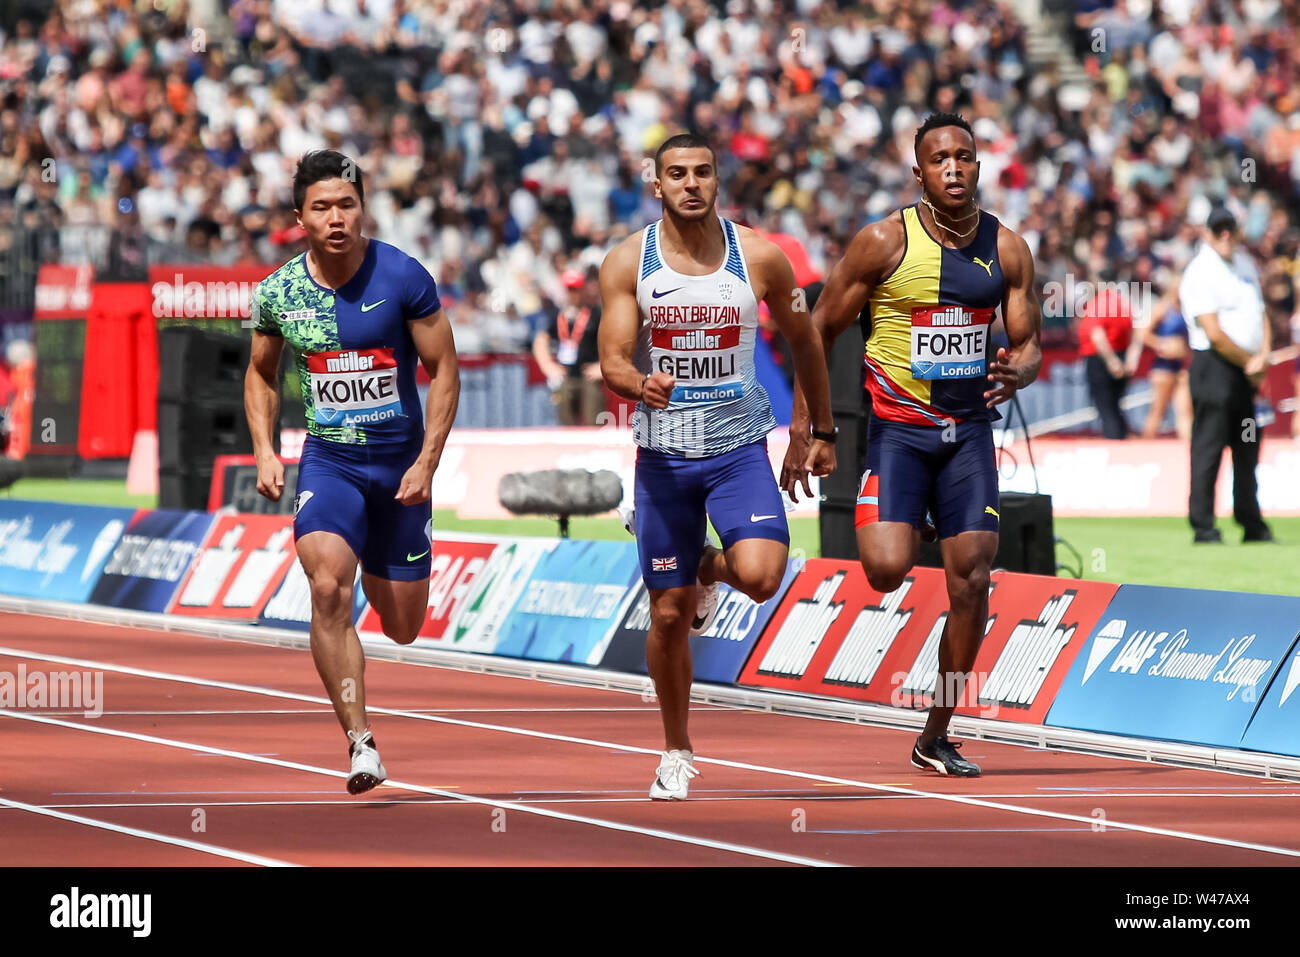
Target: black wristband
(826, 436)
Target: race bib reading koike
(354, 387)
(949, 342)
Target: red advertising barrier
(833, 634)
(455, 566)
(243, 560)
(1038, 625)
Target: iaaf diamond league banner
(572, 604)
(56, 551)
(1179, 664)
(148, 562)
(719, 653)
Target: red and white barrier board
(243, 560)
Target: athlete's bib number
(949, 342)
(354, 387)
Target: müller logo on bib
(354, 386)
(949, 342)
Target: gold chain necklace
(934, 213)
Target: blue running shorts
(349, 489)
(947, 471)
(673, 495)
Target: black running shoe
(942, 756)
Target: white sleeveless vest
(700, 330)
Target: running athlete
(358, 314)
(933, 275)
(679, 320)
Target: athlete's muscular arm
(437, 352)
(873, 252)
(775, 280)
(262, 408)
(620, 320)
(1015, 368)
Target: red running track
(213, 752)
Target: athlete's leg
(668, 656)
(893, 498)
(967, 562)
(1183, 407)
(397, 557)
(965, 508)
(670, 523)
(401, 605)
(744, 502)
(331, 567)
(1162, 389)
(752, 566)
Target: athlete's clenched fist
(658, 390)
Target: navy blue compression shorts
(348, 490)
(736, 490)
(947, 471)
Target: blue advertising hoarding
(572, 603)
(56, 551)
(150, 559)
(1177, 664)
(719, 653)
(1275, 726)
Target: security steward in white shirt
(1229, 335)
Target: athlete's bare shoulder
(759, 252)
(878, 247)
(620, 265)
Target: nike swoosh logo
(759, 518)
(416, 558)
(365, 308)
(656, 295)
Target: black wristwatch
(825, 436)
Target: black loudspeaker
(200, 411)
(840, 488)
(1026, 541)
(195, 365)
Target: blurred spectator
(573, 372)
(1190, 101)
(1105, 331)
(1220, 296)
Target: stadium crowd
(507, 144)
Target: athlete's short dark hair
(683, 141)
(937, 121)
(321, 165)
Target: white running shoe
(706, 601)
(673, 776)
(628, 517)
(366, 769)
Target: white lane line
(1111, 824)
(467, 798)
(148, 835)
(784, 795)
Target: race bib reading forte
(354, 387)
(949, 342)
